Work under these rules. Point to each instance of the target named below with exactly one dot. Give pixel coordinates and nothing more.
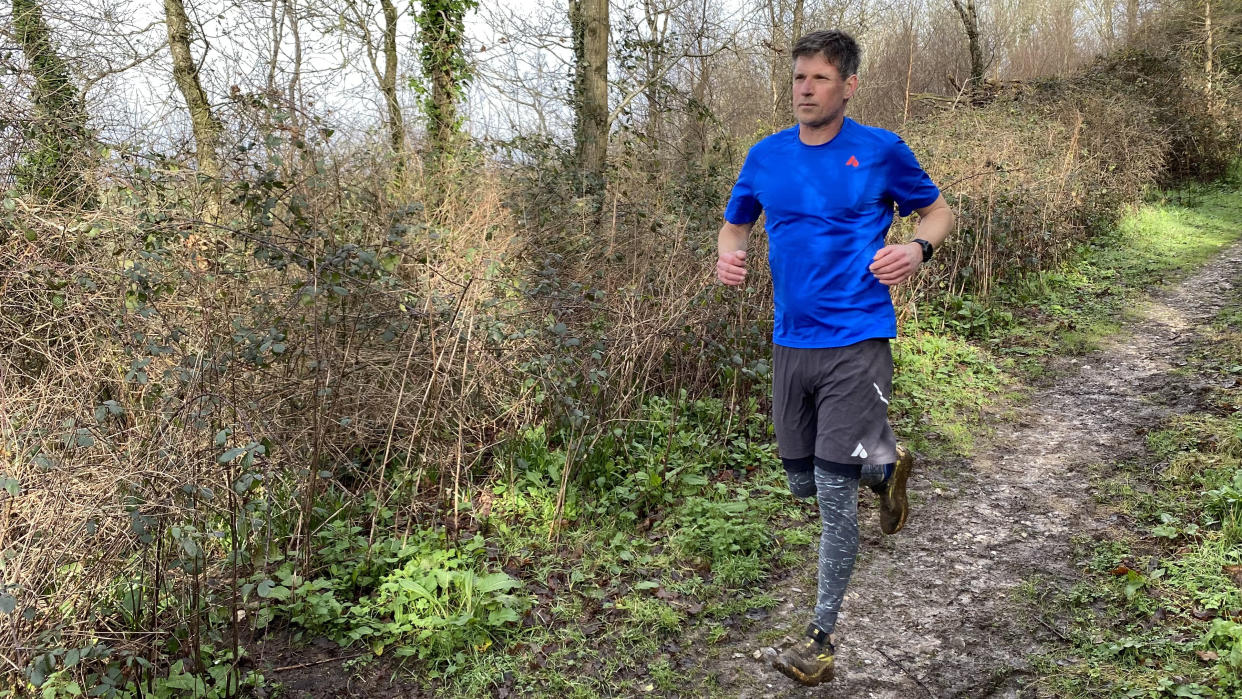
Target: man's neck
(819, 135)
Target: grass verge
(1158, 612)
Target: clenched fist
(894, 264)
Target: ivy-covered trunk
(60, 143)
(589, 22)
(441, 26)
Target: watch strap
(928, 250)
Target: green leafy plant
(1226, 502)
(1170, 527)
(434, 608)
(1226, 636)
(429, 599)
(719, 531)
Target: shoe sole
(801, 677)
(897, 490)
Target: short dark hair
(836, 46)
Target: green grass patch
(940, 386)
(1067, 310)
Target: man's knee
(801, 475)
(844, 471)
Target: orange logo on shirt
(852, 162)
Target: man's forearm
(935, 227)
(732, 237)
(935, 222)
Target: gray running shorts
(832, 403)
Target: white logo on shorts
(881, 394)
(859, 451)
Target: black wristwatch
(928, 250)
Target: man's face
(819, 91)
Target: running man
(828, 186)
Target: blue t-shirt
(828, 210)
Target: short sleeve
(744, 206)
(908, 185)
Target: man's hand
(894, 264)
(731, 267)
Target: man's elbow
(949, 216)
(941, 210)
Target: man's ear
(851, 85)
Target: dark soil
(324, 669)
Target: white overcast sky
(142, 103)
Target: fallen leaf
(483, 504)
(1234, 573)
(1120, 570)
(1203, 614)
(1207, 656)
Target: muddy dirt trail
(935, 611)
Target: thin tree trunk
(278, 26)
(1209, 49)
(207, 129)
(798, 12)
(1109, 28)
(442, 31)
(697, 128)
(905, 110)
(654, 58)
(444, 97)
(785, 109)
(295, 81)
(388, 82)
(970, 21)
(778, 70)
(1131, 19)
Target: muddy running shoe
(810, 661)
(894, 508)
